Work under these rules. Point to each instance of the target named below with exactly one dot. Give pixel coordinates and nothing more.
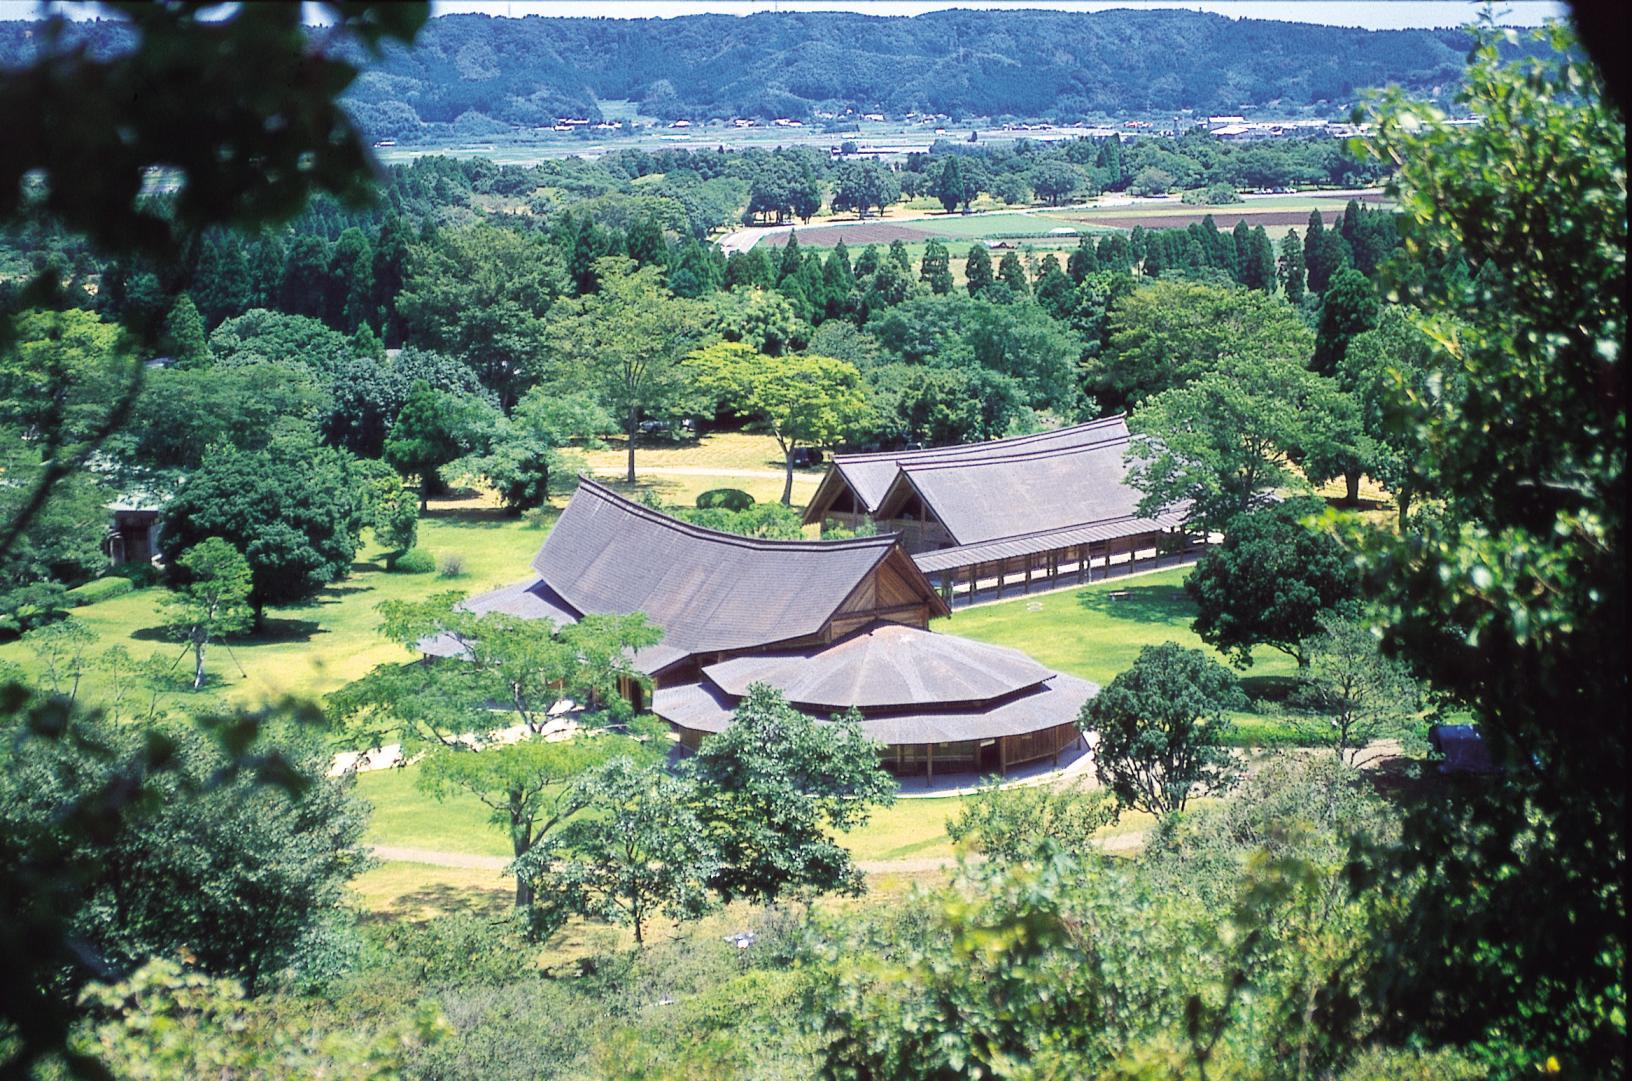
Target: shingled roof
(705, 707)
(1005, 496)
(870, 475)
(709, 591)
(885, 666)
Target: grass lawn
(406, 817)
(1087, 633)
(680, 470)
(313, 648)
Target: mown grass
(406, 817)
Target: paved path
(464, 861)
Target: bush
(142, 573)
(452, 566)
(100, 589)
(539, 517)
(413, 561)
(732, 499)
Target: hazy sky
(1380, 15)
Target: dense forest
(473, 75)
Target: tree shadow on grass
(441, 899)
(1142, 604)
(1269, 688)
(274, 630)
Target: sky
(1379, 15)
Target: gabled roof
(883, 666)
(870, 475)
(709, 591)
(1035, 492)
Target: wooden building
(982, 518)
(835, 625)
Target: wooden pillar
(1000, 565)
(1003, 755)
(974, 575)
(929, 764)
(1031, 557)
(1082, 562)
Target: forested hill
(963, 63)
(1026, 64)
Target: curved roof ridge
(960, 448)
(651, 514)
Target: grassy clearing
(1089, 633)
(406, 817)
(314, 648)
(678, 471)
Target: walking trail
(465, 861)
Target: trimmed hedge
(100, 589)
(414, 561)
(732, 499)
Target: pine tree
(977, 270)
(1083, 261)
(1315, 253)
(184, 340)
(936, 268)
(790, 258)
(1263, 258)
(948, 187)
(1291, 267)
(1013, 272)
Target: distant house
(1053, 507)
(133, 530)
(833, 625)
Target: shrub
(100, 589)
(539, 517)
(732, 499)
(413, 561)
(452, 566)
(142, 573)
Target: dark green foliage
(731, 499)
(772, 791)
(433, 429)
(1271, 582)
(1348, 308)
(242, 877)
(99, 589)
(1509, 594)
(414, 561)
(1161, 729)
(294, 510)
(977, 270)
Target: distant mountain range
(476, 74)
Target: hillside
(491, 73)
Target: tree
(1509, 596)
(802, 399)
(643, 851)
(862, 185)
(977, 270)
(951, 188)
(1168, 333)
(240, 876)
(1013, 824)
(1381, 370)
(434, 429)
(1162, 726)
(1218, 446)
(293, 510)
(528, 457)
(1348, 308)
(1272, 582)
(183, 339)
(213, 600)
(390, 509)
(1084, 261)
(1055, 181)
(1291, 267)
(527, 786)
(481, 293)
(1365, 695)
(627, 342)
(936, 269)
(773, 792)
(1012, 273)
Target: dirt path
(465, 861)
(695, 471)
